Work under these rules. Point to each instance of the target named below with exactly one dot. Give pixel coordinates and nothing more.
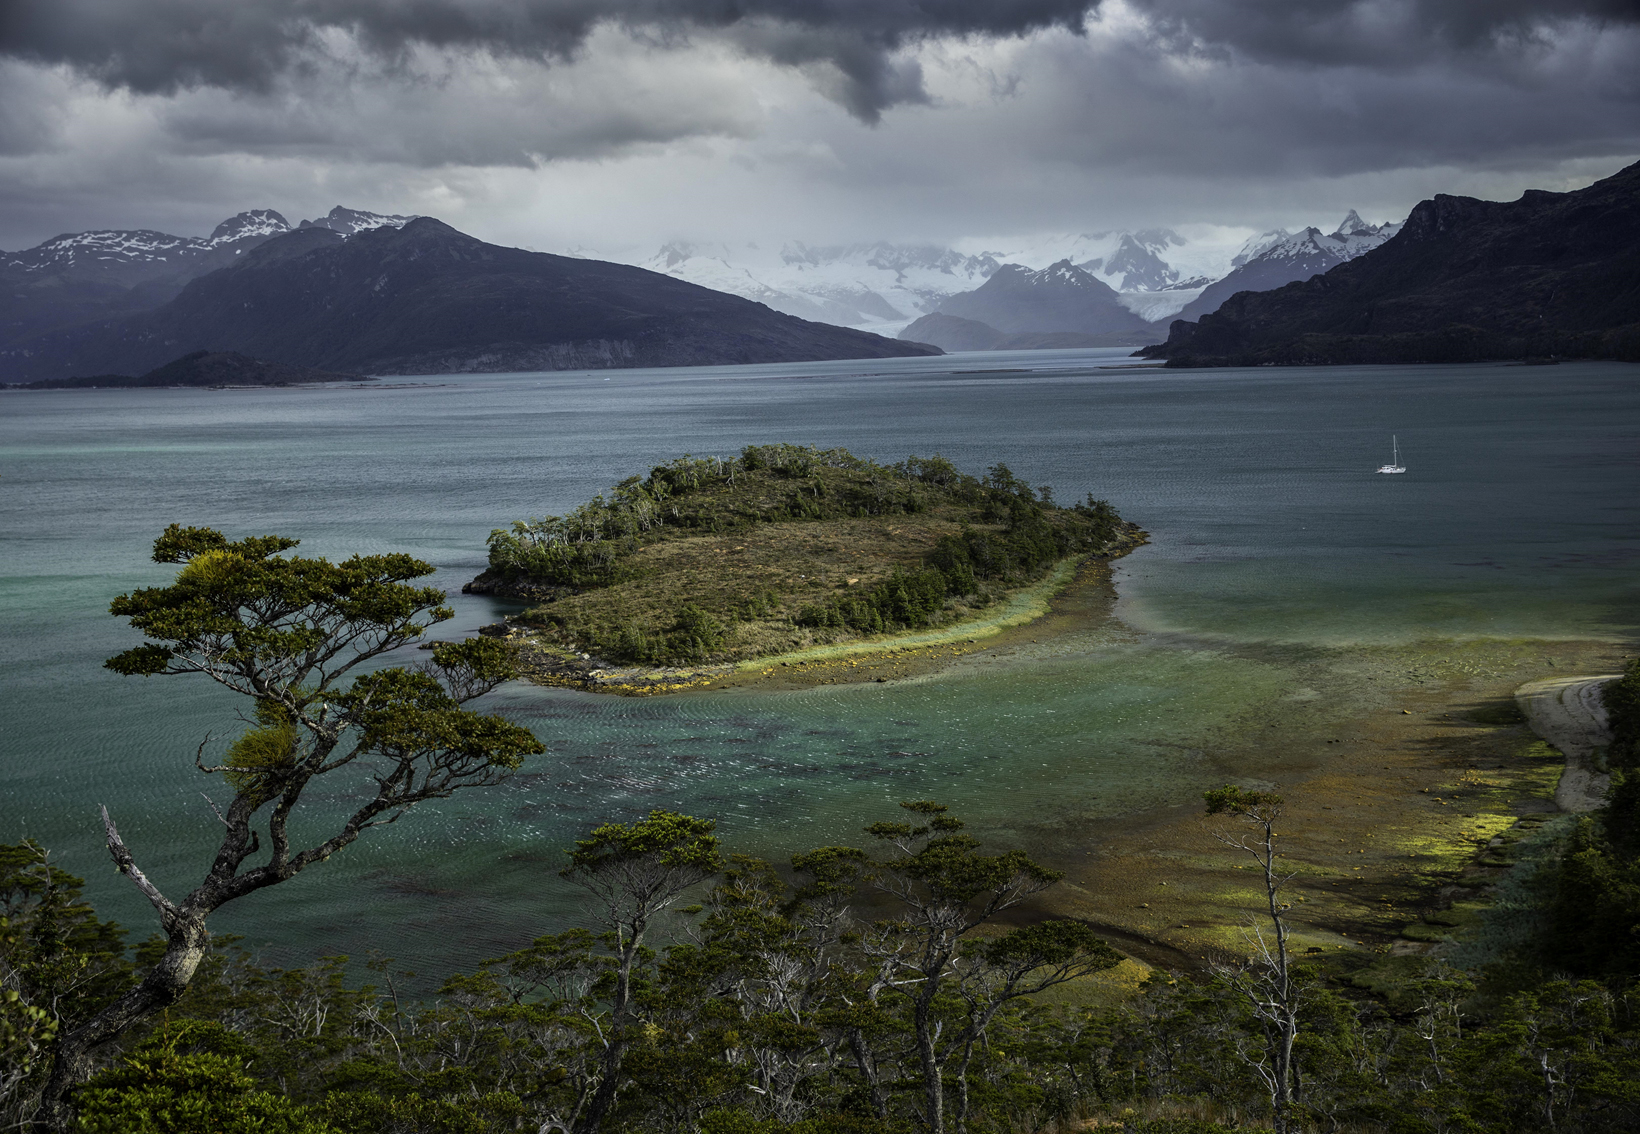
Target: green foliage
(671, 840)
(695, 634)
(904, 600)
(780, 1009)
(371, 1113)
(592, 546)
(296, 601)
(190, 1079)
(59, 963)
(255, 759)
(285, 630)
(1594, 927)
(1232, 800)
(1621, 699)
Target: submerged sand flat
(1408, 771)
(1567, 712)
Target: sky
(598, 124)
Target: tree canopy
(301, 638)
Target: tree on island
(289, 633)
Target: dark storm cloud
(1385, 33)
(161, 46)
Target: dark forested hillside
(202, 368)
(425, 298)
(1551, 274)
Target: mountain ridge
(1060, 297)
(1290, 257)
(79, 277)
(1549, 274)
(424, 298)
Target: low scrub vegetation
(707, 559)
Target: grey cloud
(162, 46)
(1272, 120)
(1380, 33)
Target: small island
(709, 566)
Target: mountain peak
(1060, 297)
(1353, 225)
(252, 222)
(349, 221)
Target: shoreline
(1568, 714)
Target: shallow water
(1275, 551)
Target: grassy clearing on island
(783, 549)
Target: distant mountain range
(1153, 274)
(83, 276)
(1061, 299)
(862, 285)
(1282, 257)
(1551, 274)
(81, 300)
(884, 286)
(417, 297)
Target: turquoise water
(1274, 549)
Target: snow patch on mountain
(883, 287)
(256, 222)
(349, 221)
(117, 247)
(75, 248)
(856, 285)
(1154, 306)
(1352, 238)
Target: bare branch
(209, 802)
(129, 868)
(199, 755)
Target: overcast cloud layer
(600, 123)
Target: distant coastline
(201, 369)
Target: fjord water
(1275, 553)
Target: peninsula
(707, 565)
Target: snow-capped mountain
(859, 285)
(248, 226)
(884, 286)
(137, 254)
(1282, 257)
(1060, 297)
(109, 250)
(81, 276)
(349, 221)
(1352, 237)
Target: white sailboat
(1395, 465)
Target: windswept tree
(1267, 979)
(634, 872)
(946, 890)
(291, 634)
